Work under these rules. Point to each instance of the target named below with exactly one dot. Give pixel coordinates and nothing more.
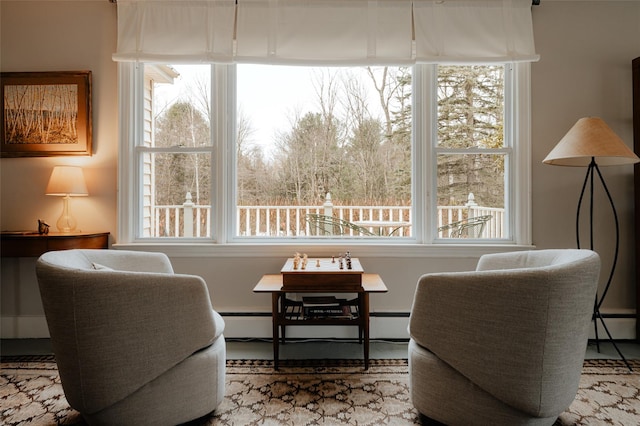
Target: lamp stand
(589, 178)
(66, 222)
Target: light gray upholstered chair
(135, 343)
(505, 344)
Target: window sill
(191, 249)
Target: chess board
(319, 271)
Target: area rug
(319, 392)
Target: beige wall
(586, 50)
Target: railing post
(188, 216)
(328, 211)
(470, 204)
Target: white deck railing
(190, 220)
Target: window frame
(222, 241)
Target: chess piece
(317, 263)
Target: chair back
(517, 326)
(110, 312)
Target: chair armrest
(518, 259)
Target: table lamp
(67, 181)
(590, 143)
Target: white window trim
(521, 128)
(129, 199)
(129, 117)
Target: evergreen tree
(470, 115)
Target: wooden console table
(371, 283)
(32, 244)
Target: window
(472, 153)
(176, 154)
(323, 152)
(420, 155)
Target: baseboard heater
(268, 314)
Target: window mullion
(427, 118)
(224, 140)
(440, 150)
(520, 114)
(174, 150)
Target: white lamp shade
(591, 138)
(67, 180)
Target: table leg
(364, 305)
(283, 310)
(275, 317)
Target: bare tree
(393, 87)
(178, 173)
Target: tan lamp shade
(591, 138)
(67, 180)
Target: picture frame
(46, 114)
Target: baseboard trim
(23, 327)
(242, 325)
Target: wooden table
(371, 283)
(32, 244)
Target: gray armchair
(135, 343)
(503, 345)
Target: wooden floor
(312, 349)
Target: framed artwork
(46, 113)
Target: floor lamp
(591, 143)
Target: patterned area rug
(312, 393)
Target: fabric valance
(175, 31)
(453, 31)
(325, 32)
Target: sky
(282, 91)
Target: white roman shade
(473, 31)
(325, 32)
(342, 32)
(175, 31)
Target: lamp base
(66, 223)
(589, 179)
